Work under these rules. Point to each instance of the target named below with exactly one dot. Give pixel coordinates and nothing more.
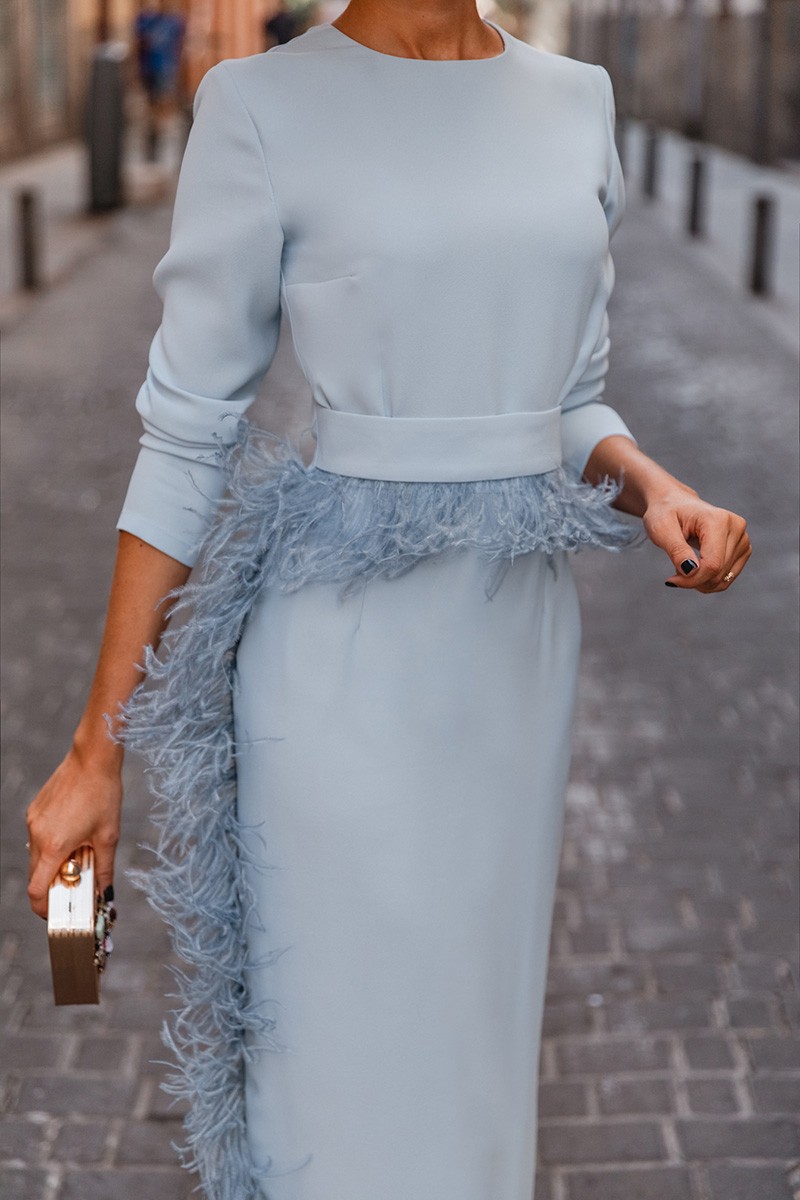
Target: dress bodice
(436, 232)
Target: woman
(360, 741)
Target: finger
(741, 541)
(736, 554)
(104, 865)
(669, 535)
(737, 551)
(45, 869)
(734, 570)
(713, 535)
(732, 555)
(724, 577)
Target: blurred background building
(46, 48)
(724, 71)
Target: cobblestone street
(671, 1056)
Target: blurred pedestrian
(159, 33)
(287, 21)
(281, 26)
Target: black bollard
(760, 281)
(105, 126)
(30, 275)
(650, 172)
(696, 215)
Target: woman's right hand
(80, 804)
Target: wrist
(94, 749)
(667, 493)
(645, 483)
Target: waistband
(438, 449)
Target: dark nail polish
(668, 584)
(688, 565)
(108, 894)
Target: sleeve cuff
(584, 427)
(171, 502)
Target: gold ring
(727, 578)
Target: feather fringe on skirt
(282, 524)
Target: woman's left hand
(680, 521)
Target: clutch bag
(78, 924)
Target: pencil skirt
(402, 759)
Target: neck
(435, 29)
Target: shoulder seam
(229, 75)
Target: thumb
(104, 868)
(668, 534)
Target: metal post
(696, 215)
(650, 172)
(29, 239)
(763, 237)
(105, 126)
(696, 33)
(762, 86)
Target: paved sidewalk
(671, 1057)
(671, 1065)
(67, 232)
(733, 182)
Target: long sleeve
(585, 420)
(219, 282)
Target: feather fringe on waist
(307, 525)
(281, 524)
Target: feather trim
(306, 525)
(281, 524)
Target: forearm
(644, 481)
(142, 578)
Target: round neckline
(437, 61)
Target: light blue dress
(437, 235)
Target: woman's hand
(80, 803)
(679, 521)
(706, 544)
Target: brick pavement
(671, 1055)
(82, 1114)
(670, 1061)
